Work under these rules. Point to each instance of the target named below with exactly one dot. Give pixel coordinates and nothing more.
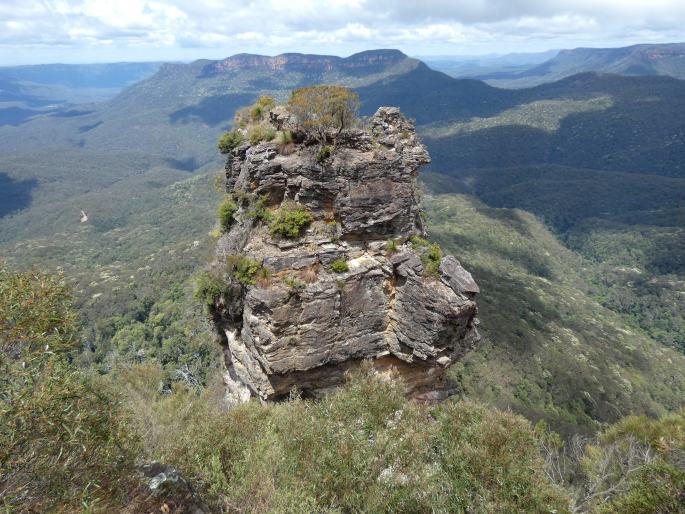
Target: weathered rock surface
(303, 326)
(163, 489)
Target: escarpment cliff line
(324, 265)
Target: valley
(595, 158)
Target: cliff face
(368, 62)
(394, 300)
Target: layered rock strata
(359, 284)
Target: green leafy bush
(243, 269)
(431, 254)
(364, 448)
(418, 242)
(290, 221)
(209, 287)
(226, 213)
(324, 153)
(339, 266)
(64, 441)
(259, 210)
(230, 141)
(634, 466)
(293, 282)
(255, 113)
(431, 259)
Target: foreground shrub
(635, 466)
(365, 448)
(64, 442)
(243, 269)
(324, 153)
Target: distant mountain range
(637, 60)
(474, 66)
(174, 117)
(28, 91)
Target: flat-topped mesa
(325, 266)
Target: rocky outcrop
(358, 284)
(369, 61)
(163, 489)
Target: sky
(83, 31)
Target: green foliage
(226, 213)
(258, 209)
(255, 113)
(339, 266)
(634, 466)
(418, 242)
(243, 269)
(322, 110)
(391, 246)
(290, 220)
(653, 488)
(284, 137)
(293, 282)
(431, 259)
(431, 254)
(229, 141)
(209, 288)
(64, 441)
(566, 358)
(324, 153)
(364, 448)
(261, 132)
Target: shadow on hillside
(15, 194)
(642, 132)
(15, 116)
(213, 110)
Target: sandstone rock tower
(357, 283)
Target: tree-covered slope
(636, 60)
(551, 351)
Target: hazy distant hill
(637, 60)
(78, 83)
(473, 66)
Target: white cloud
(174, 27)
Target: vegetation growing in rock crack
(293, 282)
(290, 220)
(339, 266)
(257, 133)
(255, 113)
(226, 213)
(243, 269)
(209, 287)
(431, 254)
(391, 246)
(324, 153)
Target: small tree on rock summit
(322, 110)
